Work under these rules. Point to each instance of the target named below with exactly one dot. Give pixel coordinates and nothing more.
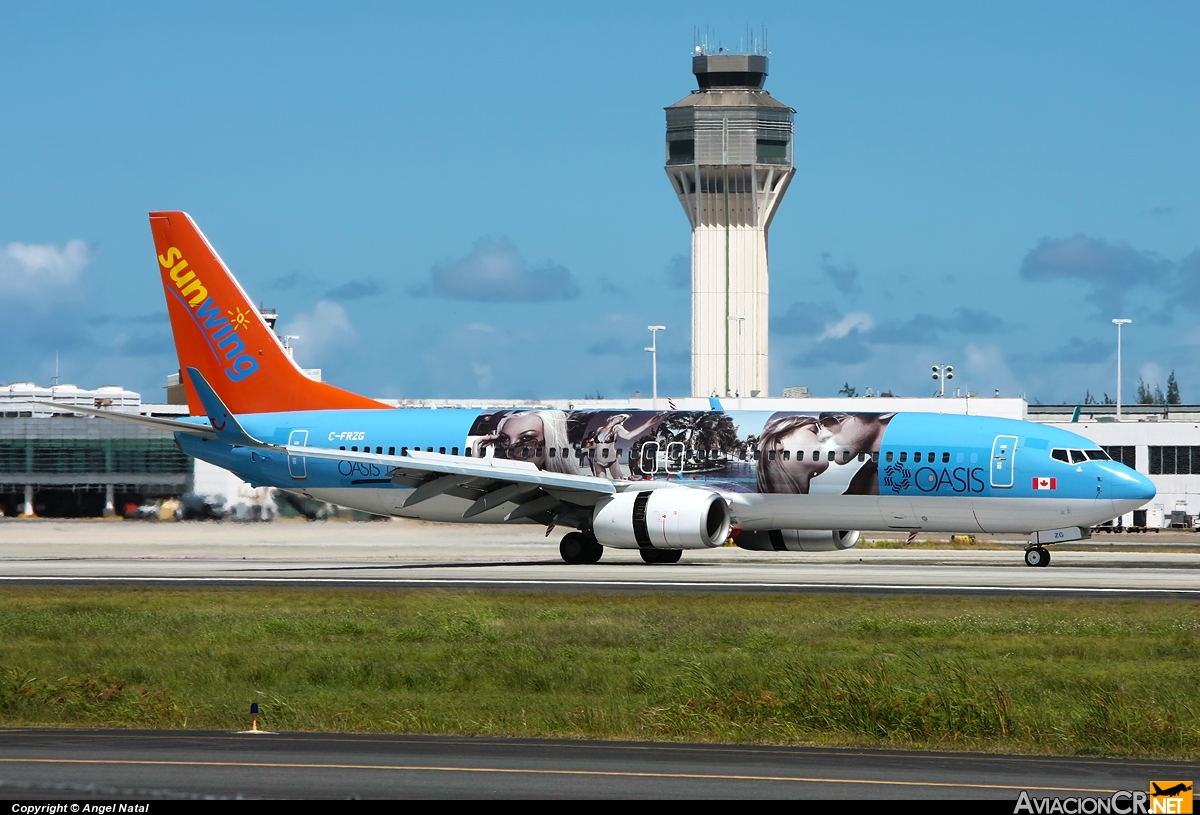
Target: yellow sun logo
(241, 319)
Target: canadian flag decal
(1045, 483)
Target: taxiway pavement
(76, 764)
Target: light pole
(943, 372)
(1118, 323)
(737, 374)
(653, 349)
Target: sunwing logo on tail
(222, 333)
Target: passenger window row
(930, 457)
(830, 455)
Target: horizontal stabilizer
(173, 425)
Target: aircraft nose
(1144, 490)
(1127, 484)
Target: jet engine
(666, 518)
(797, 540)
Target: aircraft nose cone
(1128, 485)
(1144, 490)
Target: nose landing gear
(1037, 556)
(578, 547)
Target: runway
(417, 554)
(67, 764)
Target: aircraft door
(675, 457)
(649, 460)
(298, 465)
(1004, 453)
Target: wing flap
(501, 471)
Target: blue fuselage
(780, 470)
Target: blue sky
(468, 200)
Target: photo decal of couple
(786, 452)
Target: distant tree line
(1145, 394)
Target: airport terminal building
(60, 464)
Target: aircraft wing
(174, 425)
(490, 482)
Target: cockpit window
(1077, 457)
(1098, 455)
(1059, 455)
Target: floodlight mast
(943, 372)
(653, 349)
(1118, 322)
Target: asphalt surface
(66, 764)
(416, 554)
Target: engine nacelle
(797, 540)
(666, 518)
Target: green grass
(1071, 677)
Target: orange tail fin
(219, 331)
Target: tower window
(681, 150)
(772, 148)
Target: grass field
(1071, 677)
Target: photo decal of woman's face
(786, 452)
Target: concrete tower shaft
(729, 158)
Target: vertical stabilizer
(220, 333)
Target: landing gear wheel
(572, 548)
(1036, 556)
(578, 548)
(656, 556)
(593, 551)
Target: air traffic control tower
(729, 157)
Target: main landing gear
(578, 547)
(1037, 556)
(655, 556)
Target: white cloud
(858, 321)
(27, 268)
(496, 272)
(483, 374)
(1152, 375)
(326, 329)
(987, 370)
